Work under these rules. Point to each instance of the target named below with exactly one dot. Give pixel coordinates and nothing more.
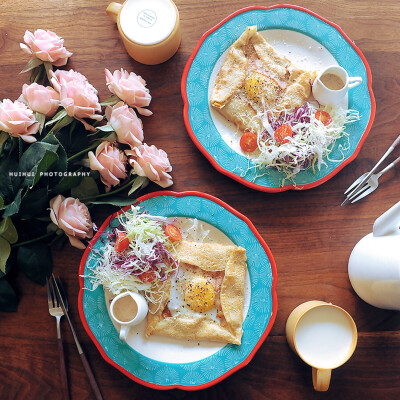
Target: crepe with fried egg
(254, 78)
(204, 301)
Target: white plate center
(301, 49)
(170, 350)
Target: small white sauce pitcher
(374, 264)
(327, 96)
(142, 309)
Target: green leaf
(1, 203)
(32, 63)
(9, 264)
(87, 188)
(110, 101)
(41, 118)
(139, 183)
(9, 184)
(34, 203)
(8, 298)
(48, 66)
(13, 207)
(44, 165)
(61, 164)
(5, 250)
(3, 137)
(60, 115)
(106, 128)
(36, 160)
(75, 141)
(115, 201)
(110, 137)
(67, 183)
(63, 122)
(34, 260)
(8, 231)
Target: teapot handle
(388, 223)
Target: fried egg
(193, 293)
(261, 88)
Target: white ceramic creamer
(374, 264)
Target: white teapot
(374, 264)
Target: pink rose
(151, 162)
(41, 99)
(18, 120)
(47, 46)
(73, 218)
(130, 88)
(110, 162)
(61, 77)
(126, 124)
(77, 96)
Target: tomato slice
(248, 142)
(282, 133)
(147, 276)
(173, 233)
(324, 117)
(122, 242)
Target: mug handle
(354, 81)
(113, 10)
(321, 379)
(123, 333)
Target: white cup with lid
(128, 309)
(150, 29)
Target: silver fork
(354, 188)
(56, 311)
(371, 184)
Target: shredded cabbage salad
(144, 265)
(310, 143)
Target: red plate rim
(273, 290)
(231, 174)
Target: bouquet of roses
(62, 151)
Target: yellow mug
(324, 336)
(150, 29)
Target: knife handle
(63, 371)
(396, 142)
(91, 377)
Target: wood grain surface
(309, 234)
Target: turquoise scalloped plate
(195, 93)
(256, 326)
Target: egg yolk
(255, 85)
(200, 294)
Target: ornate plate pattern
(256, 326)
(195, 82)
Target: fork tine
(352, 196)
(355, 183)
(53, 292)
(366, 193)
(49, 296)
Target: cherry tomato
(147, 276)
(173, 233)
(324, 117)
(248, 142)
(282, 133)
(122, 242)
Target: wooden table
(309, 234)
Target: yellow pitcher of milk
(150, 29)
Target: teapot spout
(388, 223)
